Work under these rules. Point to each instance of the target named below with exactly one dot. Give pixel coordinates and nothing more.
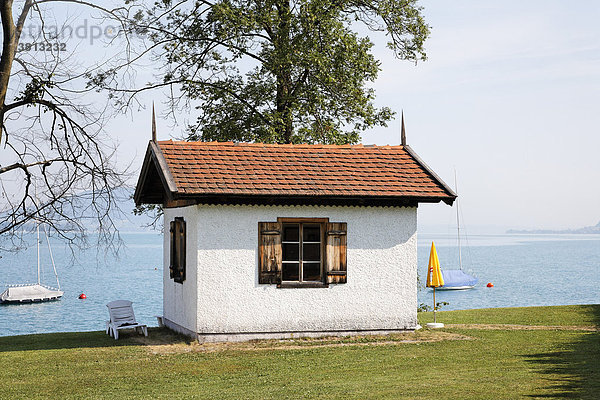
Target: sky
(509, 98)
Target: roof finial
(403, 133)
(153, 124)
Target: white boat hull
(30, 294)
(455, 287)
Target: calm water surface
(525, 270)
(136, 275)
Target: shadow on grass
(578, 364)
(78, 340)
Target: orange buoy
(490, 284)
(82, 296)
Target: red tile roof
(257, 169)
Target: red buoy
(490, 284)
(82, 296)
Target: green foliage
(34, 90)
(426, 308)
(154, 211)
(282, 70)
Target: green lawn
(563, 315)
(454, 363)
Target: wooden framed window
(177, 250)
(302, 252)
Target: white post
(434, 324)
(434, 307)
(38, 253)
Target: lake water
(136, 276)
(526, 270)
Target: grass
(463, 362)
(546, 316)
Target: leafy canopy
(283, 71)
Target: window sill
(295, 285)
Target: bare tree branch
(56, 162)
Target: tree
(56, 163)
(275, 70)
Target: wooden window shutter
(177, 254)
(182, 251)
(335, 252)
(172, 250)
(269, 252)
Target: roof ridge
(282, 145)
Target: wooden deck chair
(122, 317)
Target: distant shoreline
(581, 231)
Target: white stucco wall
(381, 293)
(179, 299)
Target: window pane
(291, 251)
(290, 271)
(311, 233)
(311, 252)
(311, 271)
(291, 233)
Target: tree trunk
(10, 36)
(8, 55)
(284, 127)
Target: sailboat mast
(52, 257)
(457, 222)
(38, 254)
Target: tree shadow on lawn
(78, 340)
(579, 366)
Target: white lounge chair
(122, 317)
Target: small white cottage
(273, 241)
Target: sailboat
(33, 293)
(457, 279)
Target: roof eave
(252, 199)
(155, 156)
(137, 194)
(452, 195)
